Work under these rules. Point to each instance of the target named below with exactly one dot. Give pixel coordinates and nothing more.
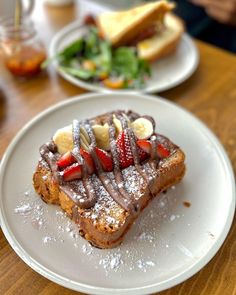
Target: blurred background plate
(166, 73)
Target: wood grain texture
(210, 94)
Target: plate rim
(71, 284)
(93, 87)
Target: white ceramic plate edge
(93, 87)
(133, 291)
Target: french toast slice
(105, 223)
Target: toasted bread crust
(102, 234)
(165, 51)
(168, 47)
(131, 29)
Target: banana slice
(84, 133)
(83, 139)
(143, 128)
(63, 139)
(117, 124)
(84, 145)
(101, 133)
(127, 118)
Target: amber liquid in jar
(26, 63)
(22, 50)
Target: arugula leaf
(80, 73)
(70, 51)
(66, 54)
(103, 61)
(144, 67)
(91, 43)
(125, 62)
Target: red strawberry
(66, 160)
(162, 151)
(145, 145)
(72, 172)
(88, 161)
(144, 149)
(124, 150)
(104, 159)
(142, 154)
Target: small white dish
(166, 73)
(169, 242)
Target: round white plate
(169, 242)
(166, 73)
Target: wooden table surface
(210, 94)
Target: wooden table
(210, 94)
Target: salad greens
(93, 58)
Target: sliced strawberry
(144, 149)
(104, 159)
(88, 161)
(145, 145)
(66, 160)
(72, 172)
(124, 150)
(142, 154)
(162, 151)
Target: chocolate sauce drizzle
(91, 198)
(134, 149)
(103, 176)
(130, 201)
(117, 192)
(47, 153)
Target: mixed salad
(93, 59)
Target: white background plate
(168, 244)
(166, 73)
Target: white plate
(168, 244)
(166, 74)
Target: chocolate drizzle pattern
(130, 201)
(76, 142)
(114, 193)
(116, 188)
(47, 153)
(91, 198)
(132, 139)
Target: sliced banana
(101, 133)
(84, 133)
(117, 124)
(143, 128)
(83, 139)
(63, 139)
(84, 145)
(127, 118)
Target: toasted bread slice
(119, 27)
(163, 43)
(105, 223)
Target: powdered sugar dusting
(24, 209)
(48, 239)
(106, 208)
(87, 249)
(55, 228)
(133, 183)
(111, 262)
(144, 265)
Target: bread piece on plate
(119, 27)
(150, 27)
(105, 191)
(165, 42)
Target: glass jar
(22, 50)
